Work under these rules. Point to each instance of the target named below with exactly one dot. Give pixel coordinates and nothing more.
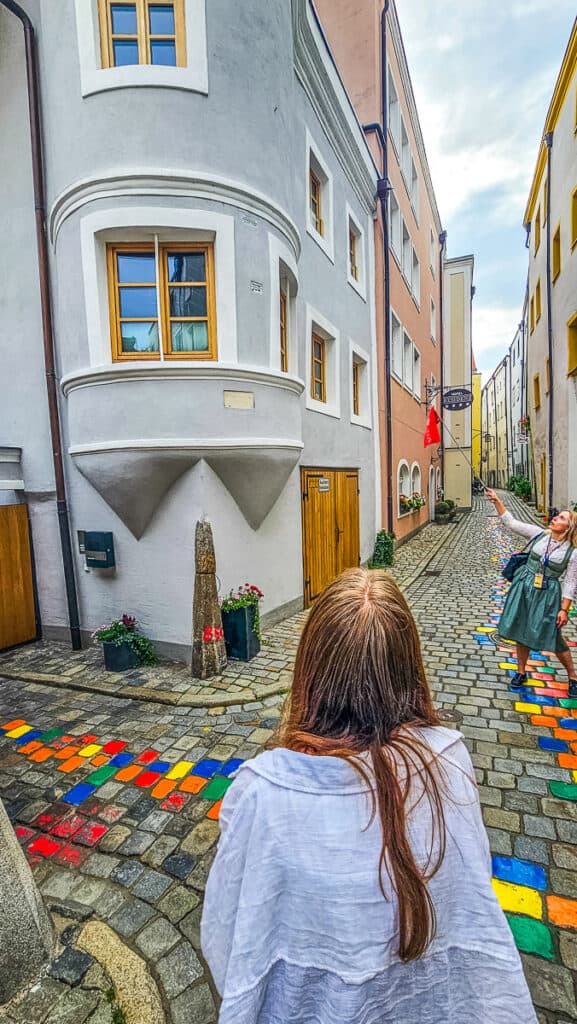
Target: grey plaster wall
(251, 128)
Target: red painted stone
(90, 833)
(111, 813)
(48, 819)
(175, 802)
(87, 737)
(61, 742)
(24, 834)
(114, 747)
(147, 757)
(147, 779)
(71, 856)
(66, 828)
(44, 847)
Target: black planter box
(119, 657)
(242, 643)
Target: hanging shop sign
(457, 398)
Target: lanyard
(550, 551)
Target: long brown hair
(358, 679)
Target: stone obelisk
(208, 650)
(26, 936)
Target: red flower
(129, 621)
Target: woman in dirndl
(540, 595)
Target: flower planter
(119, 657)
(242, 643)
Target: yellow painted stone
(528, 709)
(518, 899)
(574, 774)
(90, 750)
(507, 664)
(20, 731)
(179, 770)
(534, 682)
(485, 629)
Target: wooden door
(330, 525)
(543, 468)
(17, 612)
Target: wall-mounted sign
(457, 398)
(238, 399)
(324, 483)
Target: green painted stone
(568, 702)
(563, 790)
(531, 936)
(52, 735)
(101, 775)
(216, 788)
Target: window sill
(361, 421)
(358, 286)
(324, 408)
(325, 243)
(144, 75)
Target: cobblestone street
(116, 800)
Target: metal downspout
(549, 144)
(46, 308)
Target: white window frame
(405, 155)
(408, 348)
(414, 190)
(395, 322)
(142, 223)
(403, 464)
(94, 78)
(282, 262)
(417, 373)
(433, 400)
(416, 277)
(432, 253)
(393, 110)
(406, 253)
(360, 284)
(395, 227)
(416, 490)
(433, 321)
(360, 356)
(326, 241)
(317, 323)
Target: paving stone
(71, 966)
(88, 891)
(180, 969)
(157, 938)
(131, 917)
(38, 1001)
(179, 865)
(203, 836)
(136, 844)
(195, 1006)
(151, 886)
(156, 821)
(127, 873)
(568, 949)
(498, 818)
(190, 926)
(563, 882)
(100, 866)
(535, 826)
(177, 903)
(74, 1007)
(160, 850)
(500, 841)
(104, 1014)
(114, 838)
(529, 848)
(551, 986)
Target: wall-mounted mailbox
(97, 548)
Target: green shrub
(512, 482)
(442, 508)
(383, 550)
(522, 487)
(449, 502)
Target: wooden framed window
(142, 32)
(547, 375)
(315, 202)
(556, 253)
(532, 314)
(356, 388)
(353, 265)
(537, 391)
(538, 301)
(318, 368)
(572, 346)
(283, 333)
(537, 228)
(162, 306)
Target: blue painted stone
(121, 760)
(78, 793)
(520, 872)
(27, 738)
(207, 768)
(160, 766)
(536, 698)
(568, 723)
(230, 766)
(548, 743)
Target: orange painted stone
(567, 760)
(99, 760)
(192, 784)
(562, 912)
(66, 752)
(551, 723)
(71, 764)
(214, 812)
(13, 725)
(565, 734)
(42, 755)
(128, 774)
(29, 748)
(163, 788)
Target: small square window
(433, 321)
(318, 369)
(353, 265)
(537, 229)
(315, 202)
(408, 361)
(537, 391)
(538, 301)
(143, 32)
(397, 346)
(356, 388)
(532, 314)
(572, 346)
(556, 253)
(395, 225)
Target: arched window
(415, 479)
(439, 487)
(403, 487)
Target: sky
(483, 74)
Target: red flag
(432, 435)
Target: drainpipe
(46, 308)
(383, 189)
(549, 144)
(442, 246)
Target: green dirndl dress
(530, 615)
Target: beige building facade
(458, 373)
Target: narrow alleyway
(116, 800)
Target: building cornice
(99, 376)
(321, 83)
(562, 85)
(399, 48)
(159, 182)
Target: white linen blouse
(295, 928)
(528, 530)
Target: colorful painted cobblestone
(522, 887)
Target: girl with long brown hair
(352, 882)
